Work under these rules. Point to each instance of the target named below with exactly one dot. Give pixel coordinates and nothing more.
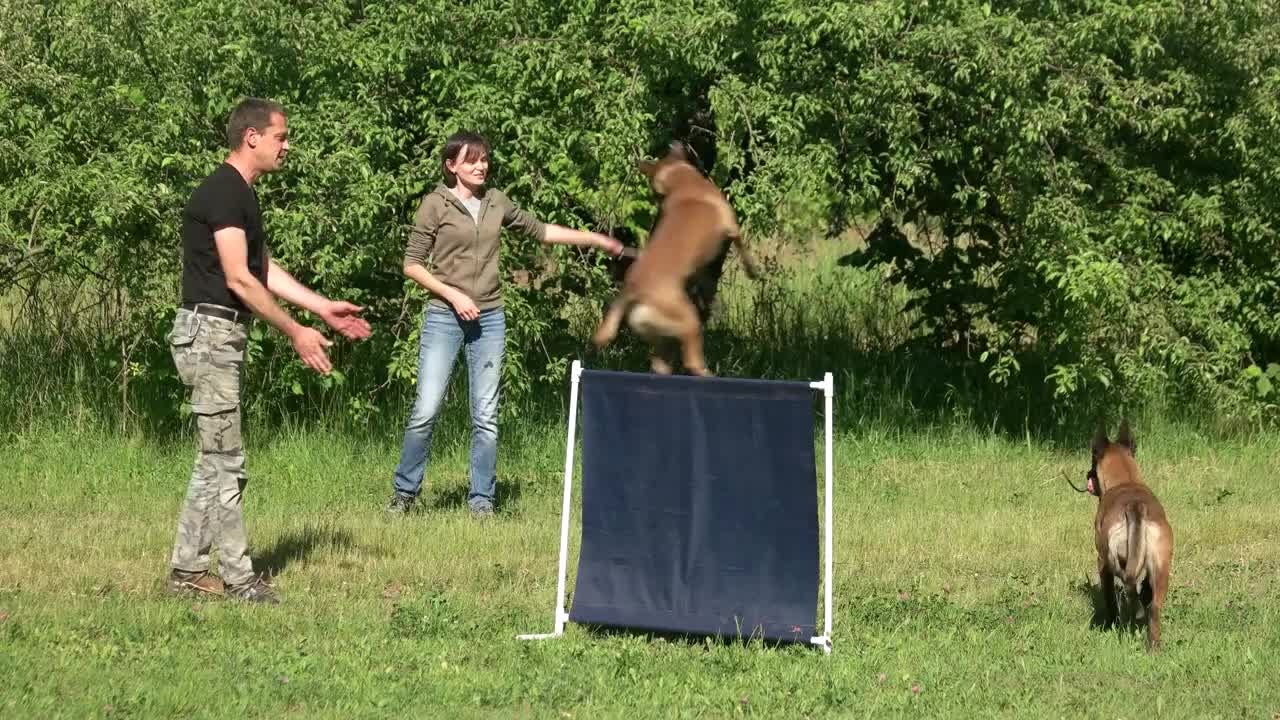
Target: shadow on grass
(454, 497)
(297, 545)
(1130, 618)
(693, 639)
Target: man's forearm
(284, 286)
(254, 294)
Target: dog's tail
(1135, 517)
(748, 264)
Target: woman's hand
(607, 244)
(465, 308)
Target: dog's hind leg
(659, 365)
(669, 314)
(689, 331)
(1107, 586)
(1159, 587)
(663, 355)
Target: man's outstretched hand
(345, 318)
(310, 345)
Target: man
(228, 278)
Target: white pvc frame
(826, 385)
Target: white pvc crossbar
(826, 385)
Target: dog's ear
(1125, 437)
(1100, 443)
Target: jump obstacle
(699, 512)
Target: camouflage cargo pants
(209, 354)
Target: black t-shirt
(223, 200)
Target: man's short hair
(250, 113)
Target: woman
(456, 231)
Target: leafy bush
(1090, 186)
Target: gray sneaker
(253, 591)
(482, 510)
(400, 504)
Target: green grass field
(962, 590)
(963, 563)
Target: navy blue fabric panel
(699, 506)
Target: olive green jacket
(460, 251)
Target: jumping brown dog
(1131, 532)
(696, 219)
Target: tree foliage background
(1084, 191)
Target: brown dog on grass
(1130, 530)
(696, 219)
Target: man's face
(270, 146)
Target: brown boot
(185, 581)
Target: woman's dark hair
(475, 144)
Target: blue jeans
(484, 340)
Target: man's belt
(218, 311)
